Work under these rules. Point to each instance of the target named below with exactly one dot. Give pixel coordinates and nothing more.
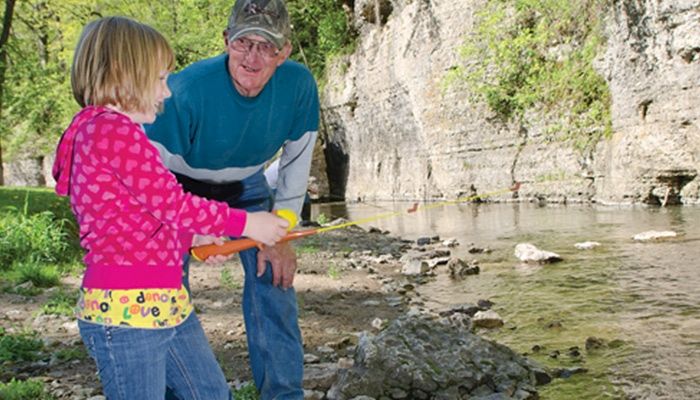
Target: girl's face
(161, 92)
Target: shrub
(61, 303)
(333, 271)
(538, 55)
(21, 347)
(37, 237)
(322, 219)
(24, 390)
(246, 392)
(320, 32)
(40, 275)
(72, 353)
(228, 281)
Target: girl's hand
(265, 227)
(200, 240)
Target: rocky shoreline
(367, 332)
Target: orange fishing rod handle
(201, 253)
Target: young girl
(136, 223)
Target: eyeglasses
(265, 49)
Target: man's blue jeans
(136, 363)
(270, 314)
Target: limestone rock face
(29, 171)
(652, 65)
(395, 132)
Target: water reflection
(644, 295)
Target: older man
(228, 116)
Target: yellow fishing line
(416, 207)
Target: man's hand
(284, 263)
(200, 240)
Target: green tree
(37, 96)
(321, 30)
(36, 101)
(4, 37)
(194, 28)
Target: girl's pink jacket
(136, 223)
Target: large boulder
(423, 358)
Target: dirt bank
(346, 280)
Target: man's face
(252, 61)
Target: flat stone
(527, 252)
(654, 235)
(586, 245)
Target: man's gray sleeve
(293, 175)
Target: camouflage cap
(267, 18)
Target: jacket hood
(63, 164)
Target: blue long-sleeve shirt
(211, 133)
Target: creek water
(642, 300)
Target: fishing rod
(201, 253)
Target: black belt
(229, 193)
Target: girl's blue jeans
(136, 363)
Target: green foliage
(553, 176)
(538, 55)
(35, 246)
(246, 392)
(61, 302)
(20, 290)
(309, 248)
(37, 100)
(37, 94)
(227, 280)
(35, 200)
(193, 27)
(24, 390)
(71, 353)
(333, 271)
(39, 274)
(320, 31)
(20, 347)
(30, 239)
(322, 219)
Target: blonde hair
(118, 61)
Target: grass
(40, 275)
(27, 291)
(333, 271)
(24, 390)
(306, 249)
(322, 219)
(19, 347)
(246, 392)
(35, 200)
(227, 280)
(72, 353)
(60, 303)
(38, 239)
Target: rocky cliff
(395, 132)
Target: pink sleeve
(123, 146)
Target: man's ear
(225, 35)
(285, 53)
